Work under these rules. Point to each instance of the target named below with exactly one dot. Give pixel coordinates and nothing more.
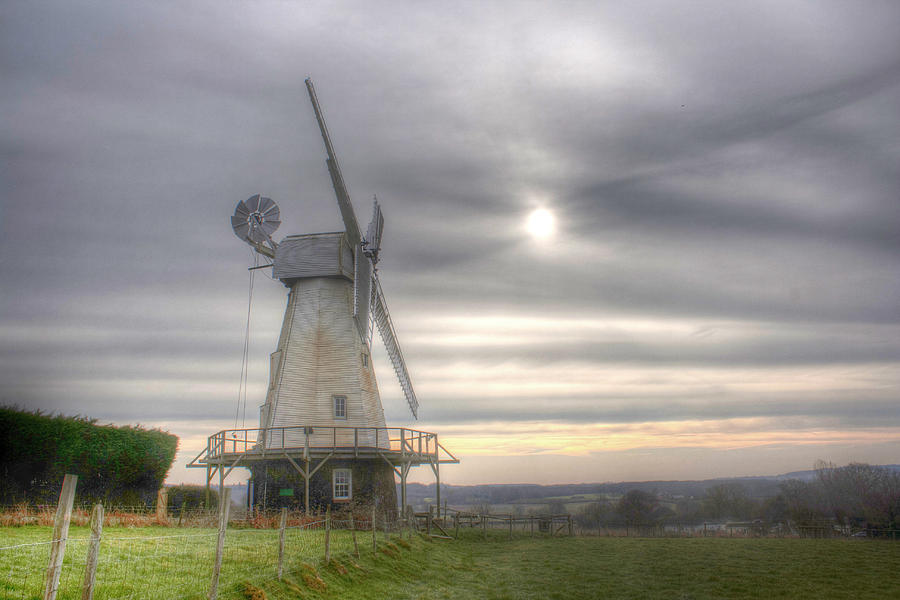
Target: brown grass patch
(311, 578)
(292, 585)
(337, 566)
(356, 565)
(251, 592)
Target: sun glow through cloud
(541, 224)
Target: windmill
(322, 395)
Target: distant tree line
(115, 465)
(853, 497)
(494, 494)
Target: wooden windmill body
(322, 371)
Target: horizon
(572, 483)
(620, 242)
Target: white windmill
(322, 418)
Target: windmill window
(365, 359)
(340, 407)
(341, 483)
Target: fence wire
(22, 569)
(164, 566)
(302, 542)
(178, 563)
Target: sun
(541, 224)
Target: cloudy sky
(720, 294)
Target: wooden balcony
(314, 445)
(396, 445)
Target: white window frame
(342, 477)
(343, 404)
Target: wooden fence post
(428, 524)
(328, 534)
(181, 512)
(374, 531)
(386, 525)
(162, 500)
(404, 523)
(224, 509)
(60, 535)
(484, 526)
(571, 529)
(510, 526)
(456, 525)
(281, 531)
(532, 526)
(353, 533)
(90, 565)
(411, 520)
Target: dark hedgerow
(115, 465)
(189, 497)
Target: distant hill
(471, 495)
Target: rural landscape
(494, 300)
(737, 538)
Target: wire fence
(732, 530)
(194, 563)
(182, 563)
(494, 526)
(23, 568)
(125, 516)
(179, 563)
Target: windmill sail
(337, 179)
(362, 290)
(389, 337)
(373, 233)
(362, 265)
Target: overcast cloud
(722, 294)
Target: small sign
(286, 492)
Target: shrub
(191, 497)
(115, 465)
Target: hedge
(191, 497)
(122, 466)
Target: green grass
(590, 568)
(153, 562)
(144, 563)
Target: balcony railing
(397, 441)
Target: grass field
(154, 562)
(589, 568)
(524, 568)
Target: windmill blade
(337, 179)
(389, 337)
(373, 233)
(364, 288)
(362, 292)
